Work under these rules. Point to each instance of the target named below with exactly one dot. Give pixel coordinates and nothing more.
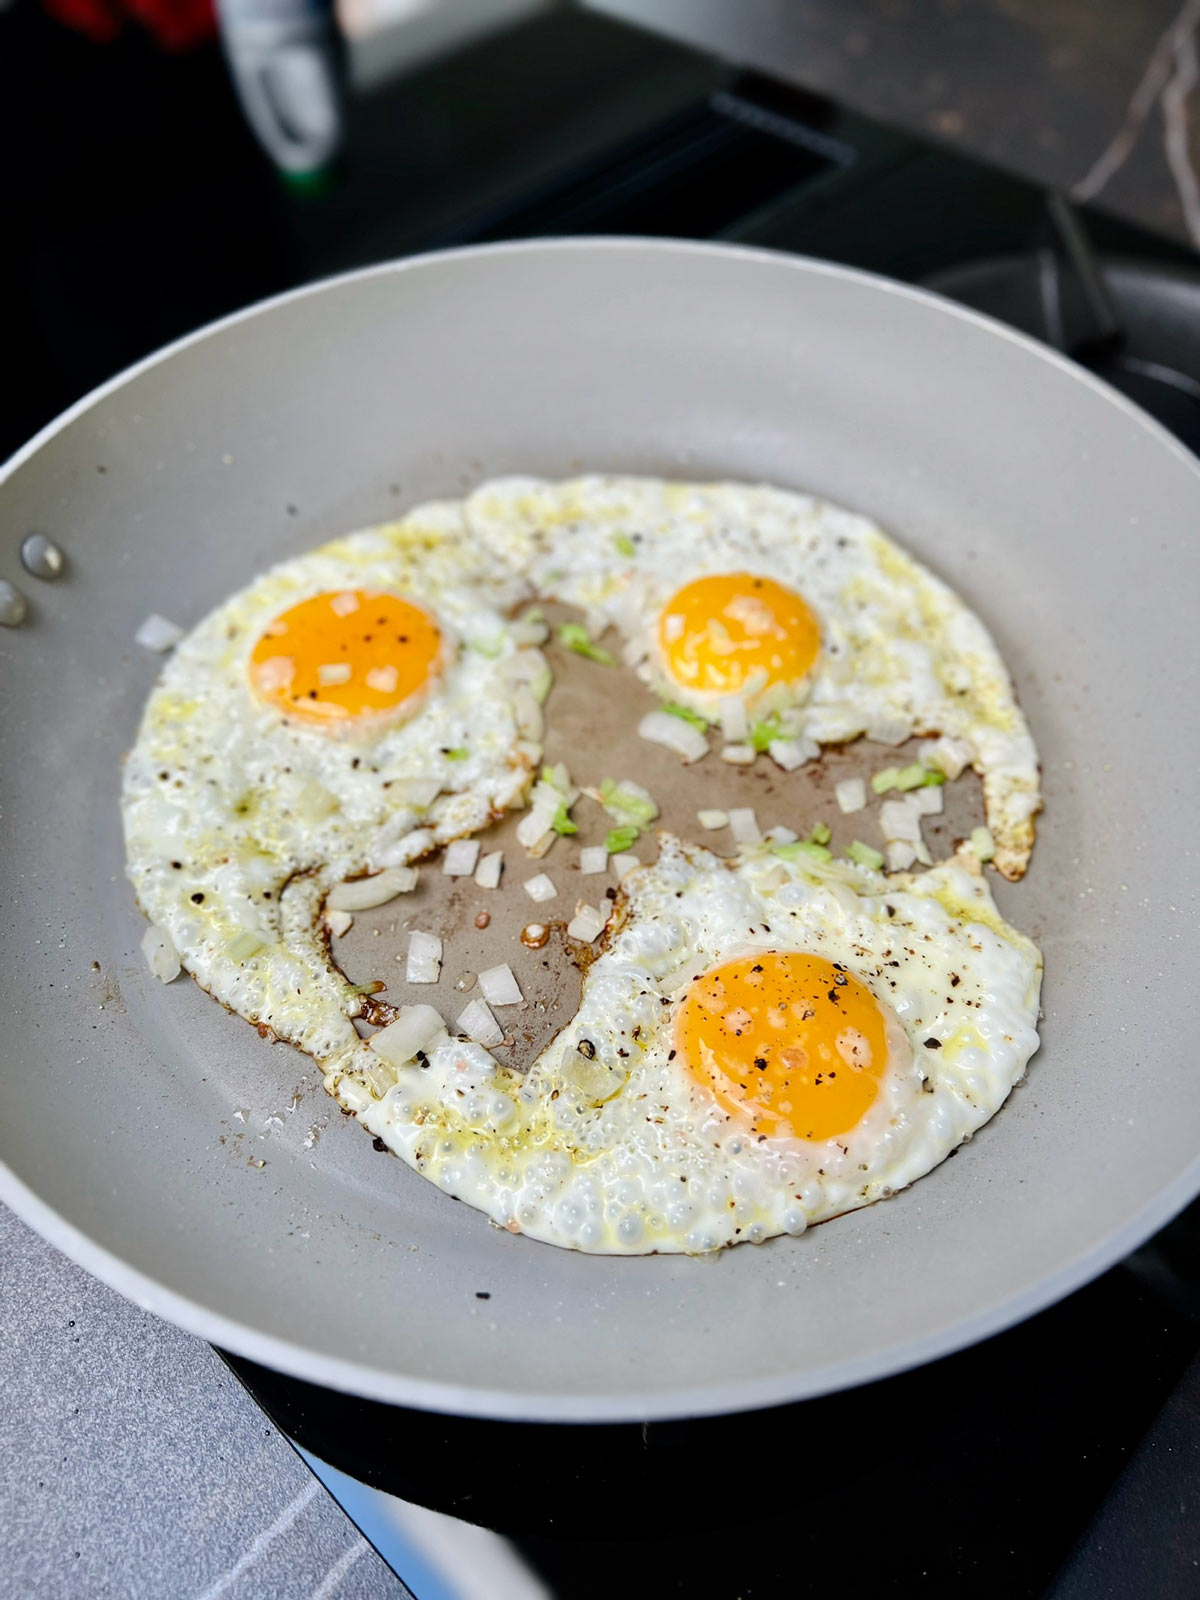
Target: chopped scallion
(576, 637)
(561, 821)
(686, 714)
(864, 855)
(618, 840)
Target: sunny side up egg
(763, 1044)
(347, 712)
(756, 602)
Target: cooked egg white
(794, 608)
(346, 712)
(762, 1044)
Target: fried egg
(348, 711)
(782, 604)
(763, 1043)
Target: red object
(175, 25)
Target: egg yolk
(720, 632)
(788, 1039)
(346, 660)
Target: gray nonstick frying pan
(1069, 520)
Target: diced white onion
(424, 958)
(540, 888)
(524, 666)
(900, 819)
(478, 1023)
(660, 727)
(624, 863)
(712, 820)
(535, 832)
(744, 825)
(546, 796)
(792, 753)
(334, 672)
(383, 679)
(276, 672)
(889, 729)
(738, 755)
(593, 858)
(851, 795)
(923, 855)
(948, 755)
(900, 855)
(929, 801)
(313, 802)
(362, 894)
(734, 723)
(344, 605)
(414, 1029)
(243, 945)
(499, 988)
(157, 634)
(680, 977)
(781, 835)
(338, 922)
(462, 855)
(416, 792)
(673, 626)
(159, 950)
(530, 629)
(587, 924)
(487, 873)
(527, 708)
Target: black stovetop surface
(1058, 1459)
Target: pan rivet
(42, 557)
(13, 609)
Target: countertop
(1097, 97)
(134, 1465)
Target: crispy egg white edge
(606, 1178)
(930, 662)
(265, 817)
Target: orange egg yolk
(790, 1040)
(719, 633)
(346, 660)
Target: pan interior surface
(206, 1174)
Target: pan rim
(570, 244)
(481, 1401)
(502, 1405)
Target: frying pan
(1065, 516)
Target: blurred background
(170, 160)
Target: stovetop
(1057, 1459)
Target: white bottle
(285, 60)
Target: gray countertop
(1098, 97)
(133, 1464)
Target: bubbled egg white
(893, 650)
(613, 1143)
(240, 815)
